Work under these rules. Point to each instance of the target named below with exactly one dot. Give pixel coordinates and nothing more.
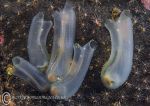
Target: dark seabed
(15, 20)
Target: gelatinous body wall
(64, 31)
(68, 63)
(37, 41)
(116, 71)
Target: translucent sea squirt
(26, 71)
(37, 51)
(62, 50)
(77, 71)
(68, 63)
(117, 69)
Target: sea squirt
(69, 85)
(117, 69)
(38, 56)
(28, 72)
(62, 50)
(68, 64)
(36, 45)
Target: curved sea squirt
(38, 56)
(116, 71)
(37, 51)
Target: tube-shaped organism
(64, 31)
(39, 29)
(26, 71)
(80, 63)
(116, 71)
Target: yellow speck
(108, 50)
(10, 69)
(115, 13)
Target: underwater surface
(90, 22)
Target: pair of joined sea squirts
(64, 72)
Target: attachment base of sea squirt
(54, 91)
(107, 81)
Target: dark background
(15, 20)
